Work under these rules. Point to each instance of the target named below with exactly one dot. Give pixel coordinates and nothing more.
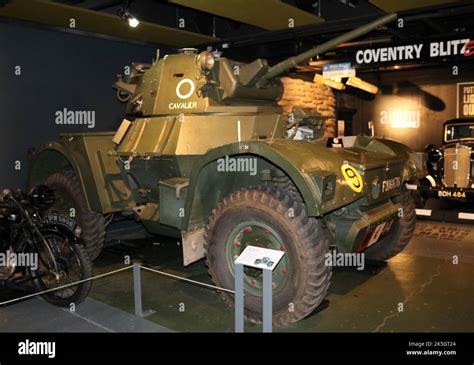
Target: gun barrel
(296, 60)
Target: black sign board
(460, 48)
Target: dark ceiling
(422, 25)
(247, 29)
(168, 13)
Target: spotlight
(125, 15)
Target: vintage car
(451, 166)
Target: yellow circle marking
(353, 178)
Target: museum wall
(44, 72)
(411, 106)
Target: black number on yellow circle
(352, 177)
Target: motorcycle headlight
(42, 196)
(77, 231)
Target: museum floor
(436, 293)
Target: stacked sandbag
(303, 94)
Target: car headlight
(434, 156)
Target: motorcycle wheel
(73, 264)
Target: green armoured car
(210, 158)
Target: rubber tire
(403, 232)
(306, 249)
(92, 223)
(84, 288)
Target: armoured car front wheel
(270, 218)
(69, 196)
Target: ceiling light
(125, 15)
(133, 22)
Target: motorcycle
(44, 248)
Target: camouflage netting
(304, 94)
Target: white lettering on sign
(411, 51)
(440, 49)
(389, 54)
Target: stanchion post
(267, 300)
(239, 297)
(137, 290)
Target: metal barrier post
(264, 259)
(267, 300)
(239, 297)
(137, 290)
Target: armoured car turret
(208, 156)
(197, 82)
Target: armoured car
(206, 155)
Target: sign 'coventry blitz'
(412, 51)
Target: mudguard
(315, 170)
(88, 156)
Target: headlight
(42, 196)
(434, 156)
(207, 61)
(77, 231)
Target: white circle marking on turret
(181, 83)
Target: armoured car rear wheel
(269, 217)
(402, 234)
(69, 195)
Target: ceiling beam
(401, 5)
(59, 15)
(266, 14)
